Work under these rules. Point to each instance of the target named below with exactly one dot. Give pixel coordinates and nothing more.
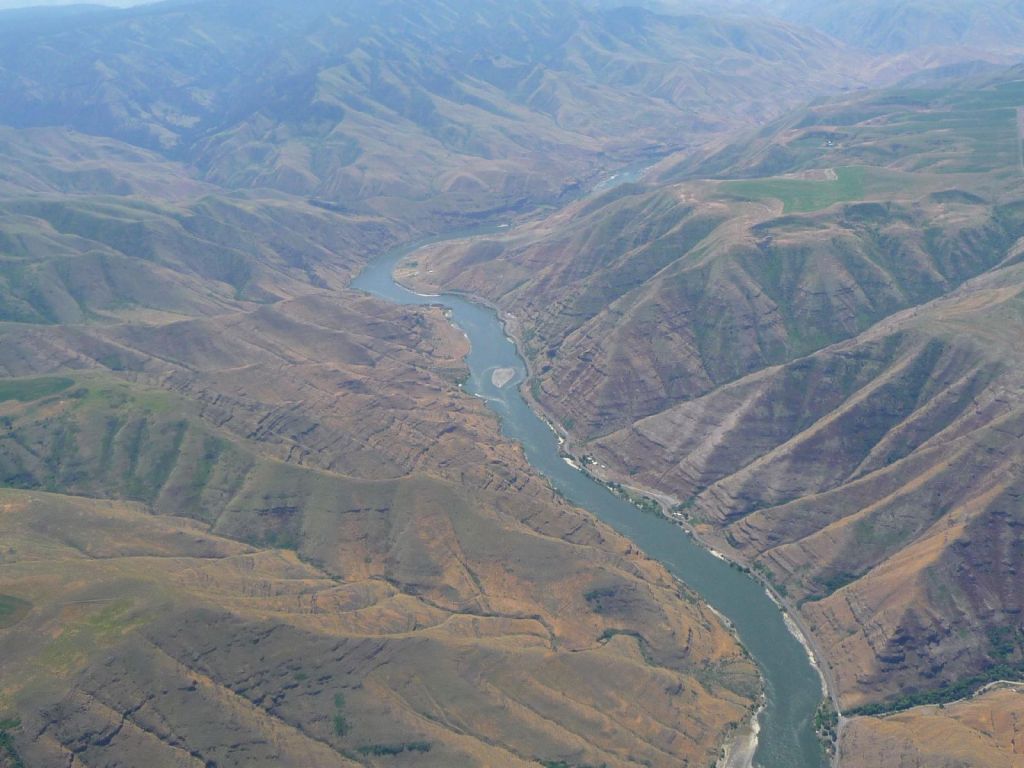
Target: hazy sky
(7, 4)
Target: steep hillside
(67, 260)
(820, 369)
(646, 296)
(96, 230)
(948, 156)
(60, 161)
(636, 301)
(876, 481)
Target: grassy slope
(851, 183)
(965, 126)
(982, 732)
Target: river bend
(792, 685)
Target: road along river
(793, 687)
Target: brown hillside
(984, 732)
(360, 533)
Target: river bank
(740, 747)
(666, 503)
(709, 573)
(739, 751)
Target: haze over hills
(989, 27)
(405, 108)
(250, 517)
(900, 37)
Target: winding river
(792, 685)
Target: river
(792, 685)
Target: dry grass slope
(984, 732)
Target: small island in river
(502, 376)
